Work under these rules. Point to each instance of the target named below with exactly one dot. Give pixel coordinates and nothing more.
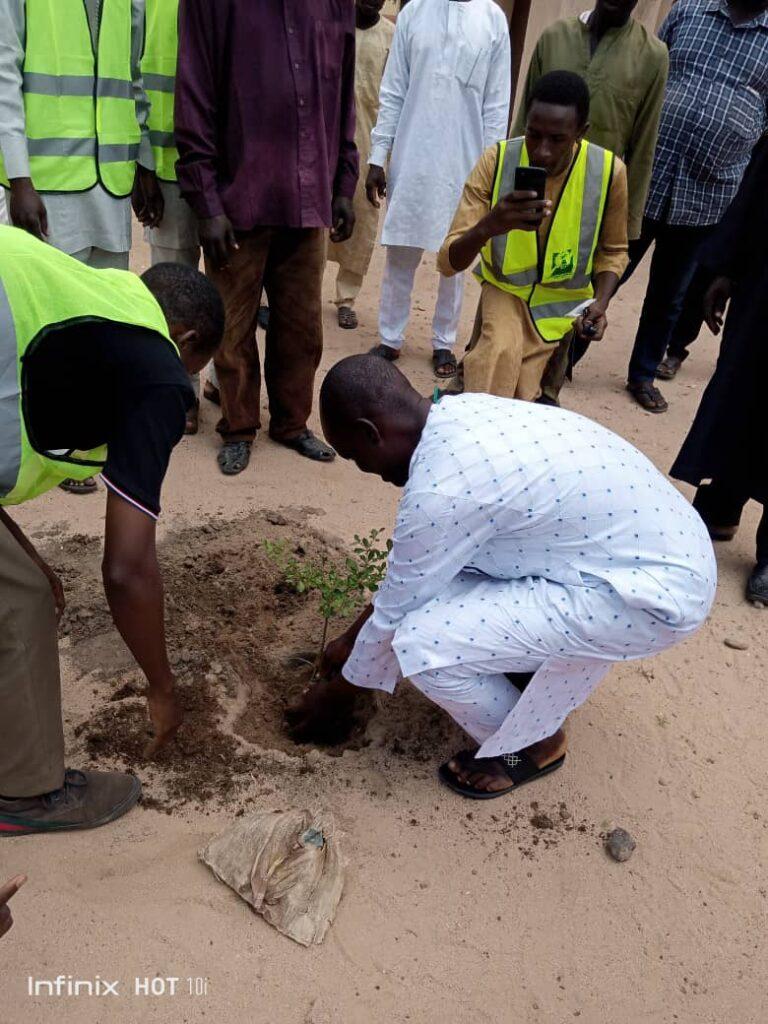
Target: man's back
(545, 492)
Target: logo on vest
(563, 263)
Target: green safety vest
(42, 289)
(553, 282)
(80, 110)
(158, 68)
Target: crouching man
(532, 549)
(128, 345)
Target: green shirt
(626, 77)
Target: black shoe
(234, 457)
(86, 800)
(669, 368)
(310, 447)
(757, 585)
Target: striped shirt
(715, 110)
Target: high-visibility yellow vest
(80, 109)
(552, 282)
(158, 68)
(42, 289)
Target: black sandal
(386, 352)
(347, 318)
(444, 363)
(310, 447)
(646, 394)
(519, 769)
(88, 486)
(234, 457)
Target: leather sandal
(310, 447)
(234, 457)
(347, 318)
(646, 394)
(386, 352)
(444, 363)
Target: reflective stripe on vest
(79, 105)
(41, 288)
(158, 68)
(553, 283)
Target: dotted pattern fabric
(530, 538)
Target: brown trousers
(288, 264)
(31, 734)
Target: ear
(369, 430)
(185, 339)
(583, 131)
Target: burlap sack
(287, 865)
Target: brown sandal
(347, 318)
(646, 394)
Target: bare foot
(492, 774)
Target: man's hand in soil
(343, 214)
(324, 713)
(166, 716)
(6, 891)
(337, 652)
(26, 209)
(376, 185)
(134, 592)
(217, 237)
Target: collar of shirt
(723, 7)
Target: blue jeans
(672, 269)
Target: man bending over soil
(532, 549)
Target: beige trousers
(506, 356)
(31, 734)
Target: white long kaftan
(444, 98)
(531, 539)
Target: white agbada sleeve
(436, 536)
(394, 86)
(497, 96)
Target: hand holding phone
(525, 208)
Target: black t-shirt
(100, 382)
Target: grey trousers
(31, 733)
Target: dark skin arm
(6, 892)
(134, 590)
(147, 198)
(343, 215)
(519, 211)
(323, 714)
(26, 209)
(715, 302)
(26, 544)
(592, 323)
(217, 237)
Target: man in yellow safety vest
(174, 239)
(73, 113)
(548, 265)
(130, 344)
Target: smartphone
(531, 179)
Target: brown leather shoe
(86, 800)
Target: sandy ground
(452, 911)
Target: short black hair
(190, 298)
(362, 387)
(562, 89)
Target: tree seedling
(341, 587)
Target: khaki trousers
(31, 734)
(506, 356)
